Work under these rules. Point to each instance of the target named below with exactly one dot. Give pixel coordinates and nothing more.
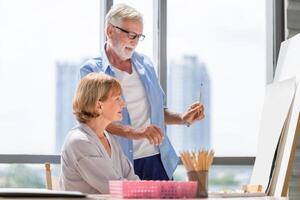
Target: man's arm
(151, 132)
(194, 113)
(172, 117)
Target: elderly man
(142, 130)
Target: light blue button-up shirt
(156, 99)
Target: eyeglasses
(131, 35)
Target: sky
(228, 36)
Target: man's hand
(151, 132)
(194, 113)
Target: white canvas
(287, 150)
(288, 64)
(278, 99)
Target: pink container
(189, 189)
(153, 189)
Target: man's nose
(134, 41)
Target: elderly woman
(90, 156)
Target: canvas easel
(288, 66)
(277, 103)
(282, 172)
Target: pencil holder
(202, 178)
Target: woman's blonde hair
(92, 88)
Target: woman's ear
(99, 105)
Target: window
(43, 43)
(217, 48)
(214, 47)
(27, 175)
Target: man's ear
(109, 31)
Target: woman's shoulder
(79, 143)
(77, 136)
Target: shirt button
(130, 151)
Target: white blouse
(87, 167)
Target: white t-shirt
(138, 108)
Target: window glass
(42, 44)
(222, 177)
(217, 48)
(27, 175)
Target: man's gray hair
(120, 12)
